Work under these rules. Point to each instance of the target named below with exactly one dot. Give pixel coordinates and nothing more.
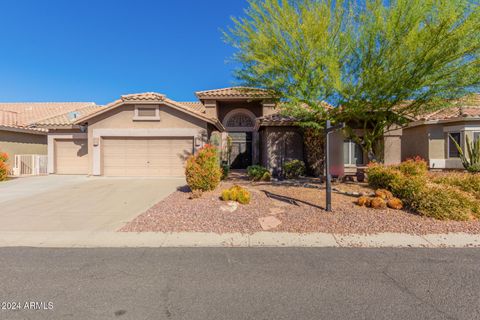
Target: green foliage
(446, 203)
(472, 161)
(257, 172)
(4, 168)
(225, 171)
(446, 197)
(314, 153)
(236, 193)
(294, 169)
(466, 182)
(202, 169)
(414, 167)
(381, 177)
(382, 61)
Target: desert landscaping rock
(269, 223)
(275, 211)
(231, 206)
(303, 212)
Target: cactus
(471, 161)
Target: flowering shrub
(3, 166)
(294, 169)
(203, 171)
(466, 182)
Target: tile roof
(67, 119)
(22, 115)
(145, 96)
(233, 92)
(468, 107)
(195, 105)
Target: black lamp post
(328, 129)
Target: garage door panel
(71, 156)
(129, 156)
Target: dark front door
(241, 156)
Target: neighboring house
(428, 135)
(17, 136)
(148, 134)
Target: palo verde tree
(379, 62)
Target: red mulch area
(299, 209)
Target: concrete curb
(260, 239)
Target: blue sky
(87, 50)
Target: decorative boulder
(384, 194)
(395, 203)
(378, 203)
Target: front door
(241, 156)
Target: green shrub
(3, 157)
(256, 172)
(236, 193)
(267, 176)
(202, 170)
(408, 189)
(225, 171)
(3, 166)
(380, 176)
(413, 167)
(466, 182)
(474, 168)
(446, 203)
(294, 169)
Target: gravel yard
(289, 209)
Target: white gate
(30, 165)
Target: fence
(30, 165)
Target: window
(452, 148)
(240, 120)
(148, 113)
(352, 153)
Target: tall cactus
(472, 162)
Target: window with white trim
(352, 153)
(452, 148)
(147, 113)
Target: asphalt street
(240, 283)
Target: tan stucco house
(18, 135)
(149, 134)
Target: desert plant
(364, 201)
(466, 182)
(236, 193)
(294, 169)
(380, 176)
(446, 203)
(471, 160)
(225, 170)
(413, 167)
(202, 169)
(267, 176)
(195, 194)
(4, 168)
(3, 157)
(256, 172)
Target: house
(428, 136)
(17, 134)
(149, 134)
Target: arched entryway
(240, 125)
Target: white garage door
(145, 157)
(71, 156)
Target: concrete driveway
(78, 203)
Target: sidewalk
(260, 239)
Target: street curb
(260, 239)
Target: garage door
(71, 156)
(146, 157)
